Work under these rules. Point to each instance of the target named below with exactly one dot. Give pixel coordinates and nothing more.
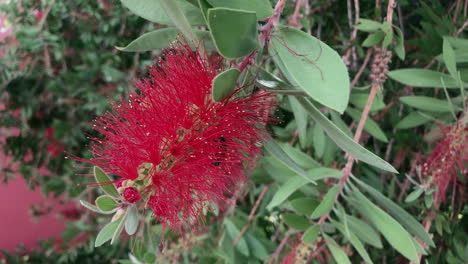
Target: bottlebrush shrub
(173, 146)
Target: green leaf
(262, 8)
(108, 232)
(319, 140)
(327, 203)
(400, 44)
(428, 199)
(302, 159)
(364, 231)
(278, 153)
(159, 39)
(360, 101)
(423, 78)
(393, 232)
(149, 257)
(370, 125)
(288, 188)
(224, 84)
(233, 232)
(414, 195)
(106, 203)
(92, 207)
(414, 119)
(311, 234)
(388, 39)
(131, 224)
(311, 65)
(153, 11)
(336, 119)
(343, 141)
(338, 254)
(300, 115)
(357, 244)
(257, 248)
(407, 220)
(119, 228)
(296, 221)
(305, 206)
(233, 39)
(105, 182)
(373, 39)
(177, 15)
(367, 25)
(449, 59)
(426, 103)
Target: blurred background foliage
(60, 68)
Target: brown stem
(280, 247)
(361, 69)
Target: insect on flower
(175, 149)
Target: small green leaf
(159, 39)
(296, 221)
(343, 141)
(106, 203)
(288, 188)
(388, 39)
(233, 232)
(311, 234)
(428, 199)
(370, 125)
(367, 25)
(319, 140)
(364, 231)
(360, 101)
(393, 232)
(149, 257)
(311, 65)
(423, 78)
(414, 119)
(414, 195)
(305, 206)
(105, 182)
(449, 59)
(224, 84)
(357, 244)
(400, 214)
(262, 8)
(92, 207)
(233, 40)
(400, 44)
(131, 224)
(338, 254)
(153, 11)
(108, 231)
(257, 248)
(373, 39)
(327, 203)
(176, 14)
(426, 103)
(300, 115)
(119, 228)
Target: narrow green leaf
(311, 65)
(153, 11)
(426, 103)
(277, 152)
(119, 228)
(107, 232)
(302, 159)
(224, 84)
(300, 115)
(413, 119)
(400, 44)
(364, 231)
(367, 25)
(400, 214)
(449, 59)
(305, 206)
(338, 254)
(343, 141)
(373, 39)
(159, 39)
(370, 126)
(336, 119)
(257, 248)
(357, 244)
(388, 39)
(106, 203)
(296, 221)
(149, 257)
(131, 224)
(262, 8)
(423, 78)
(360, 101)
(311, 234)
(176, 14)
(327, 203)
(105, 182)
(319, 140)
(92, 207)
(233, 232)
(393, 232)
(288, 188)
(414, 195)
(233, 40)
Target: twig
(293, 20)
(251, 215)
(280, 247)
(361, 69)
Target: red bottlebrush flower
(448, 156)
(185, 150)
(38, 14)
(55, 148)
(131, 195)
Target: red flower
(131, 195)
(55, 148)
(449, 154)
(185, 150)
